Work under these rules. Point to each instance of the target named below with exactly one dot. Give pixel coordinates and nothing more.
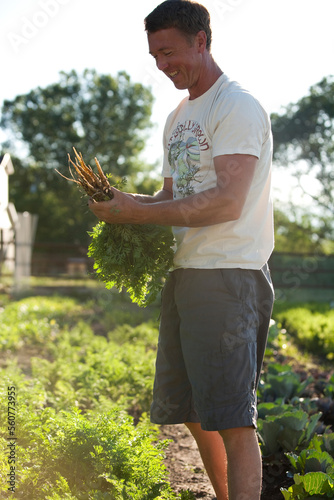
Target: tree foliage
(304, 142)
(295, 233)
(101, 115)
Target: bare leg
(212, 450)
(244, 463)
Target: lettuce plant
(311, 461)
(289, 431)
(313, 485)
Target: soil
(184, 463)
(186, 471)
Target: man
(217, 303)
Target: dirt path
(184, 463)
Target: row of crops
(296, 415)
(76, 381)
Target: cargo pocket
(239, 366)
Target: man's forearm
(202, 209)
(162, 195)
(222, 203)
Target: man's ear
(201, 41)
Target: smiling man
(217, 302)
(178, 58)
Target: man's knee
(238, 436)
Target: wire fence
(55, 259)
(295, 276)
(302, 277)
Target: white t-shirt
(224, 120)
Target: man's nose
(162, 63)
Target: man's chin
(179, 85)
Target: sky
(277, 49)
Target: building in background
(17, 232)
(8, 218)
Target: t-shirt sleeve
(240, 125)
(166, 170)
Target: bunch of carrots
(130, 256)
(96, 186)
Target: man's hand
(122, 209)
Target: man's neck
(208, 77)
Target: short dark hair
(185, 15)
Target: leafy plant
(329, 388)
(314, 469)
(289, 431)
(95, 452)
(71, 455)
(102, 456)
(327, 443)
(282, 382)
(75, 366)
(313, 330)
(136, 257)
(271, 408)
(90, 371)
(276, 339)
(34, 320)
(314, 484)
(310, 460)
(322, 443)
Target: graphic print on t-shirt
(185, 145)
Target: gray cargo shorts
(213, 334)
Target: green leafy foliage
(289, 420)
(136, 257)
(329, 389)
(35, 321)
(314, 469)
(97, 456)
(282, 382)
(313, 485)
(289, 431)
(312, 330)
(95, 451)
(274, 340)
(72, 363)
(310, 460)
(83, 375)
(75, 437)
(105, 116)
(324, 442)
(294, 231)
(304, 142)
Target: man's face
(178, 57)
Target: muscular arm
(222, 203)
(166, 193)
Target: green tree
(294, 232)
(97, 114)
(304, 143)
